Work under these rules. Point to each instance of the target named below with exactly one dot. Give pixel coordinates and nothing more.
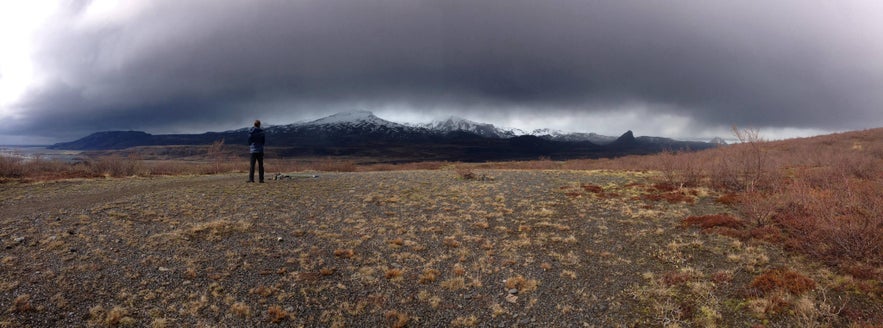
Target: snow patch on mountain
(458, 124)
(557, 135)
(356, 117)
(366, 120)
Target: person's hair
(257, 123)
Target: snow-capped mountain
(356, 118)
(345, 126)
(557, 135)
(362, 134)
(458, 124)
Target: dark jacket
(255, 140)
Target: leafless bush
(857, 164)
(681, 168)
(217, 156)
(116, 166)
(11, 167)
(750, 160)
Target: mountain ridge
(361, 133)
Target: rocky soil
(414, 248)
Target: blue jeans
(259, 157)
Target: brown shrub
(863, 271)
(592, 188)
(758, 208)
(344, 253)
(22, 303)
(116, 166)
(770, 234)
(466, 173)
(394, 273)
(712, 221)
(677, 278)
(783, 279)
(722, 277)
(670, 197)
(240, 309)
(396, 319)
(11, 167)
(515, 282)
(276, 314)
(857, 164)
(459, 270)
(728, 199)
(451, 242)
(428, 276)
(665, 187)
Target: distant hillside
(364, 134)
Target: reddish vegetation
(728, 199)
(665, 187)
(344, 253)
(712, 221)
(589, 189)
(593, 188)
(783, 279)
(672, 197)
(820, 196)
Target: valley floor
(415, 248)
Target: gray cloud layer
(176, 64)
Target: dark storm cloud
(783, 64)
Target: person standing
(256, 148)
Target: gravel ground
(413, 248)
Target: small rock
(19, 239)
(279, 239)
(511, 298)
(164, 269)
(513, 291)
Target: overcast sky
(665, 68)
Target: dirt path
(422, 248)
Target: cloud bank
(673, 68)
